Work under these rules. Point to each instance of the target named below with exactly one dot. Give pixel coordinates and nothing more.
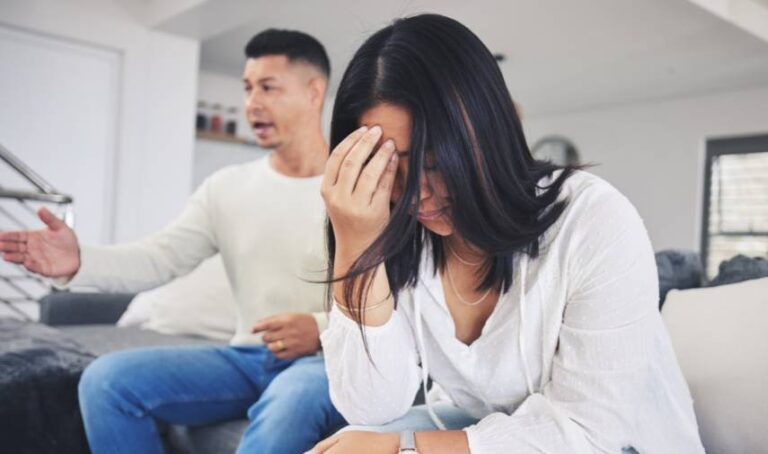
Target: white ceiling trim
(749, 15)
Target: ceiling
(561, 55)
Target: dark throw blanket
(39, 371)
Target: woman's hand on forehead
(357, 186)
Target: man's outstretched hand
(51, 252)
(289, 335)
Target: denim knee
(103, 382)
(96, 376)
(302, 386)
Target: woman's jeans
(417, 419)
(123, 396)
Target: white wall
(61, 112)
(229, 92)
(211, 155)
(157, 85)
(653, 152)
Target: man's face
(280, 96)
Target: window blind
(738, 207)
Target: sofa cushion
(220, 438)
(61, 308)
(721, 343)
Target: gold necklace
(456, 292)
(458, 257)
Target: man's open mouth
(260, 127)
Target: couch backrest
(720, 336)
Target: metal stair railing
(26, 287)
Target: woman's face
(433, 208)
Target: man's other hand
(289, 335)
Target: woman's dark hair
(462, 114)
(297, 46)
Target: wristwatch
(407, 442)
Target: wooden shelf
(222, 137)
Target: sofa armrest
(72, 308)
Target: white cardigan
(578, 363)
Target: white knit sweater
(268, 228)
(580, 362)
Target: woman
(528, 292)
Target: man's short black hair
(295, 45)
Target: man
(266, 219)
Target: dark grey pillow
(678, 269)
(740, 268)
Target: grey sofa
(89, 318)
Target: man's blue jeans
(123, 395)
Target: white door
(59, 105)
(58, 114)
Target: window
(735, 217)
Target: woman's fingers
(355, 159)
(324, 445)
(383, 192)
(373, 172)
(337, 157)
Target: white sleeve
(368, 394)
(601, 365)
(145, 264)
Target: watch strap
(407, 440)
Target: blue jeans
(123, 396)
(417, 419)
